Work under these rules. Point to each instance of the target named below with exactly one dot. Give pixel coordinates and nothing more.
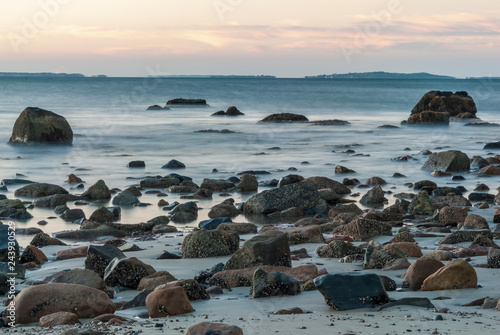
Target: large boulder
(447, 161)
(454, 275)
(13, 209)
(381, 257)
(429, 117)
(419, 271)
(374, 197)
(268, 248)
(324, 182)
(126, 272)
(361, 229)
(244, 277)
(38, 190)
(421, 204)
(302, 195)
(213, 243)
(168, 301)
(98, 191)
(266, 284)
(99, 257)
(36, 125)
(344, 291)
(36, 301)
(125, 198)
(446, 102)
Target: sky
(286, 38)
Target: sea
(112, 127)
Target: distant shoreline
(336, 76)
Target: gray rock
(494, 258)
(447, 161)
(174, 164)
(268, 248)
(102, 214)
(71, 215)
(38, 190)
(126, 272)
(98, 191)
(36, 125)
(374, 197)
(125, 198)
(302, 195)
(203, 243)
(273, 284)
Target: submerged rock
(182, 101)
(36, 125)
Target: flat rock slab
(345, 291)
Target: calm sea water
(112, 127)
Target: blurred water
(112, 127)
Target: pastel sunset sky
(286, 38)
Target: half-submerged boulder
(439, 106)
(184, 102)
(447, 161)
(36, 125)
(285, 117)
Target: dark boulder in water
(174, 164)
(285, 117)
(446, 102)
(439, 106)
(156, 108)
(183, 102)
(231, 111)
(36, 125)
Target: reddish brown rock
(452, 216)
(153, 281)
(440, 255)
(58, 318)
(72, 253)
(409, 248)
(476, 221)
(33, 254)
(243, 277)
(36, 301)
(209, 328)
(168, 301)
(419, 271)
(454, 275)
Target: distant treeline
(41, 74)
(379, 75)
